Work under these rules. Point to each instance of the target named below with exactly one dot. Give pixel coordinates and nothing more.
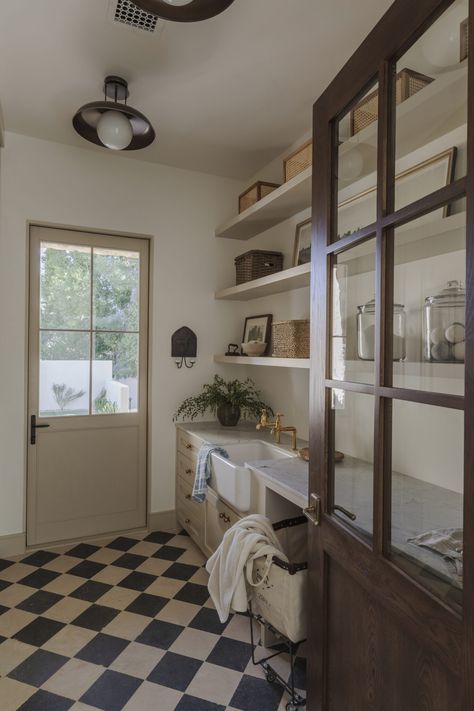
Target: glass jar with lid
(366, 331)
(444, 321)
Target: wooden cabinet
(219, 518)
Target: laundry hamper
(278, 600)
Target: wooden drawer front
(188, 444)
(185, 467)
(191, 518)
(184, 490)
(219, 518)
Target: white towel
(230, 567)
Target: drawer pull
(188, 496)
(188, 471)
(189, 446)
(187, 520)
(224, 517)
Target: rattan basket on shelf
(257, 263)
(256, 192)
(298, 161)
(291, 339)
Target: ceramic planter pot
(228, 415)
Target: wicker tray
(291, 339)
(256, 192)
(298, 161)
(257, 263)
(366, 112)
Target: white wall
(55, 183)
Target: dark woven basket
(257, 263)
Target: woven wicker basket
(298, 161)
(256, 192)
(257, 263)
(464, 40)
(291, 339)
(366, 112)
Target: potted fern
(229, 400)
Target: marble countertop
(214, 433)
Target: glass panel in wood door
(431, 113)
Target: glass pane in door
(429, 312)
(427, 496)
(64, 373)
(65, 286)
(353, 314)
(115, 373)
(356, 186)
(353, 475)
(431, 113)
(116, 290)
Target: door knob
(33, 429)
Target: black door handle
(33, 429)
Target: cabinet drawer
(191, 519)
(188, 443)
(184, 490)
(219, 518)
(185, 467)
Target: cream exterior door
(87, 393)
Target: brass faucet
(276, 427)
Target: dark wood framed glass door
(392, 395)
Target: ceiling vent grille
(128, 13)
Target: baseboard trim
(12, 545)
(163, 521)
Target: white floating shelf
(284, 202)
(273, 362)
(287, 280)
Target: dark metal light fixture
(112, 123)
(184, 10)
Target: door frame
(31, 223)
(453, 636)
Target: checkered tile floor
(125, 624)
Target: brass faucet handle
(279, 415)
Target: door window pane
(429, 278)
(357, 165)
(64, 373)
(65, 277)
(115, 373)
(427, 496)
(353, 314)
(353, 417)
(431, 114)
(116, 290)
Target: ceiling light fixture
(184, 10)
(112, 123)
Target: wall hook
(184, 347)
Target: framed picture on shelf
(258, 328)
(302, 250)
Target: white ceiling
(225, 95)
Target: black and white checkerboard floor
(124, 623)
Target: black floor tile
(38, 668)
(4, 564)
(111, 691)
(122, 544)
(207, 620)
(169, 552)
(231, 653)
(40, 558)
(4, 584)
(39, 578)
(83, 550)
(192, 703)
(95, 617)
(159, 537)
(103, 649)
(86, 569)
(39, 602)
(254, 694)
(160, 634)
(194, 593)
(175, 671)
(45, 701)
(180, 571)
(3, 609)
(39, 631)
(137, 581)
(129, 560)
(91, 591)
(148, 605)
(300, 673)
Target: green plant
(103, 405)
(242, 394)
(64, 395)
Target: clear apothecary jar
(366, 331)
(444, 320)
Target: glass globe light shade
(114, 130)
(178, 2)
(440, 44)
(351, 164)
